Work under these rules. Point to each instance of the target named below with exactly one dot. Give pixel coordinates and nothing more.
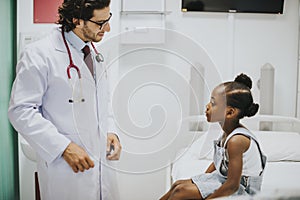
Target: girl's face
(216, 108)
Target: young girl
(238, 161)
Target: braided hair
(78, 9)
(238, 95)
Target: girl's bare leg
(182, 189)
(167, 195)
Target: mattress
(281, 179)
(282, 173)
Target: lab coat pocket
(89, 144)
(81, 184)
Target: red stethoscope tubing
(99, 56)
(94, 48)
(72, 65)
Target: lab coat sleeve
(112, 128)
(24, 110)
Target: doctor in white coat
(68, 121)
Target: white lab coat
(40, 110)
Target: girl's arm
(210, 168)
(236, 146)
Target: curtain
(9, 188)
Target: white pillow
(202, 148)
(279, 146)
(276, 145)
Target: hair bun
(252, 110)
(244, 79)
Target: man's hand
(113, 147)
(77, 158)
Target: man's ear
(77, 22)
(231, 112)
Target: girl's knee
(179, 191)
(174, 185)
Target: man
(61, 105)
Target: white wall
(244, 42)
(273, 40)
(146, 81)
(234, 43)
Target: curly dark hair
(238, 95)
(78, 9)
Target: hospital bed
(280, 143)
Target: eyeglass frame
(102, 23)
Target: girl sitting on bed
(238, 161)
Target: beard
(89, 35)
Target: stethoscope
(99, 58)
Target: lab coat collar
(57, 40)
(72, 39)
(75, 41)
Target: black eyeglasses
(102, 23)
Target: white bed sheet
(188, 164)
(188, 169)
(282, 173)
(281, 179)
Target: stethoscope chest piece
(99, 57)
